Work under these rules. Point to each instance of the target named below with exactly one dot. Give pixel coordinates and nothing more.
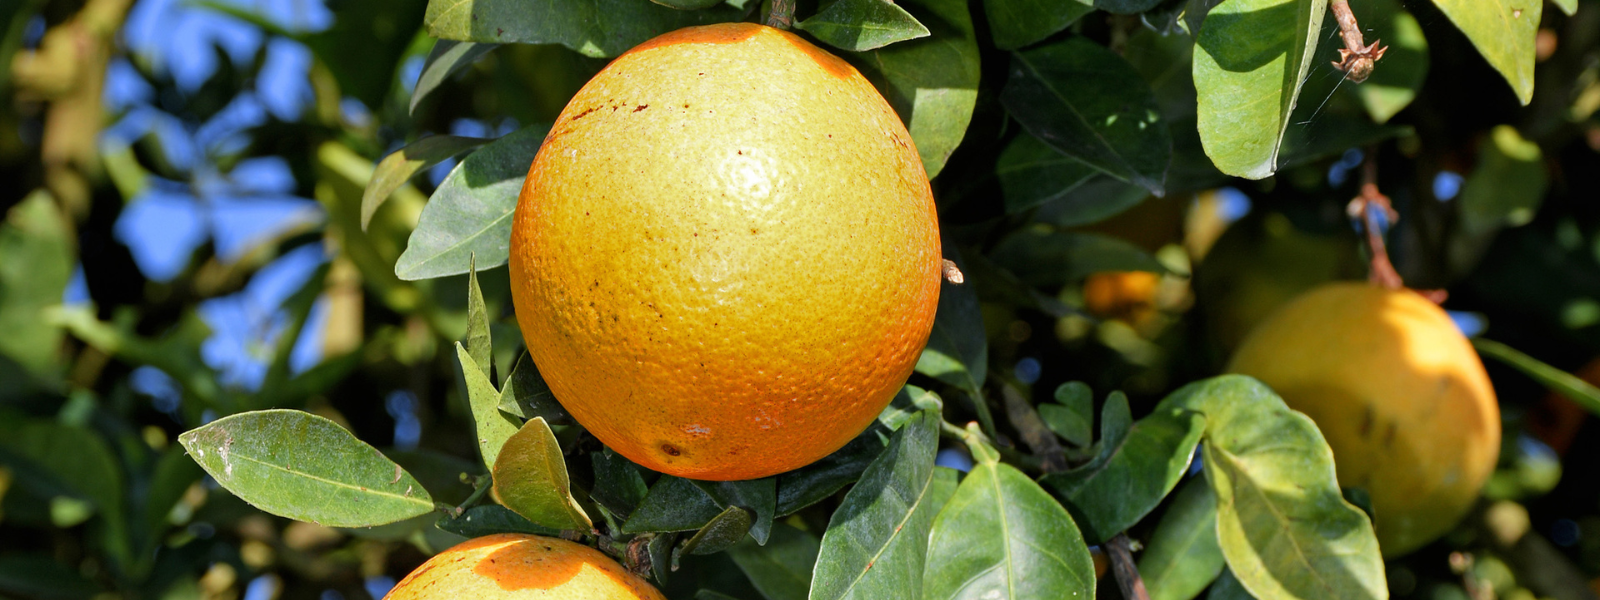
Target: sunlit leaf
(1504, 32)
(1018, 23)
(1566, 384)
(530, 477)
(596, 28)
(1182, 556)
(492, 427)
(861, 25)
(398, 167)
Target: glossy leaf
(673, 504)
(780, 570)
(1032, 173)
(1284, 528)
(470, 213)
(958, 349)
(1566, 384)
(304, 467)
(808, 485)
(1395, 81)
(1072, 414)
(492, 427)
(1251, 57)
(1182, 556)
(688, 4)
(931, 82)
(861, 25)
(1088, 103)
(480, 346)
(759, 496)
(1140, 473)
(597, 28)
(907, 405)
(1504, 32)
(398, 167)
(526, 395)
(1050, 259)
(489, 519)
(876, 541)
(1002, 536)
(1018, 23)
(1567, 6)
(445, 59)
(530, 478)
(721, 533)
(618, 486)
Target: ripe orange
(725, 259)
(508, 565)
(1126, 295)
(1398, 392)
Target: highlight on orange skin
(513, 566)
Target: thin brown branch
(780, 14)
(1118, 549)
(1040, 440)
(1357, 58)
(952, 273)
(1372, 208)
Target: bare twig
(952, 273)
(1356, 58)
(1117, 548)
(1038, 437)
(1372, 208)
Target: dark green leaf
(1504, 32)
(527, 396)
(469, 215)
(1142, 470)
(781, 569)
(618, 486)
(493, 427)
(479, 345)
(876, 541)
(489, 519)
(1228, 587)
(673, 504)
(1001, 536)
(958, 349)
(1049, 259)
(705, 594)
(660, 549)
(1282, 523)
(1018, 23)
(1098, 199)
(808, 485)
(1395, 81)
(1182, 556)
(721, 533)
(1508, 184)
(1250, 60)
(906, 405)
(1116, 421)
(1566, 384)
(1088, 103)
(1072, 416)
(173, 475)
(597, 28)
(759, 496)
(932, 82)
(38, 576)
(397, 168)
(1032, 173)
(305, 467)
(446, 57)
(688, 4)
(1330, 135)
(363, 46)
(1126, 7)
(530, 477)
(861, 25)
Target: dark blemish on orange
(1366, 422)
(640, 107)
(1388, 436)
(752, 231)
(498, 32)
(667, 448)
(582, 115)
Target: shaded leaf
(305, 467)
(530, 478)
(1098, 199)
(398, 167)
(1018, 23)
(808, 485)
(1251, 57)
(876, 541)
(1182, 556)
(527, 396)
(1032, 173)
(470, 213)
(688, 4)
(39, 576)
(673, 504)
(596, 28)
(1002, 536)
(1566, 384)
(1088, 103)
(1508, 184)
(1140, 472)
(445, 59)
(861, 25)
(1395, 81)
(1126, 7)
(1072, 415)
(660, 549)
(759, 496)
(780, 570)
(1228, 587)
(492, 427)
(618, 486)
(1284, 528)
(1504, 32)
(489, 519)
(1049, 259)
(721, 533)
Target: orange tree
(1106, 196)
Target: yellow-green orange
(725, 260)
(1398, 392)
(512, 566)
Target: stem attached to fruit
(1356, 58)
(780, 14)
(1375, 214)
(1121, 554)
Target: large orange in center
(725, 260)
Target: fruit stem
(1356, 58)
(484, 484)
(1007, 455)
(1118, 548)
(780, 13)
(1375, 215)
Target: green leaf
(1018, 23)
(1284, 528)
(876, 541)
(1228, 587)
(673, 504)
(445, 59)
(906, 405)
(37, 243)
(808, 485)
(1032, 173)
(1504, 32)
(1566, 384)
(1002, 536)
(1567, 6)
(470, 213)
(721, 533)
(688, 4)
(489, 519)
(1508, 184)
(931, 82)
(530, 478)
(526, 395)
(1072, 416)
(1107, 500)
(1182, 556)
(958, 348)
(398, 167)
(861, 25)
(1116, 421)
(1098, 199)
(618, 486)
(596, 28)
(173, 475)
(1395, 81)
(660, 550)
(493, 427)
(304, 467)
(1087, 102)
(39, 576)
(1251, 57)
(759, 496)
(1049, 259)
(479, 345)
(1126, 7)
(780, 570)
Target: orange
(1126, 295)
(510, 565)
(1398, 392)
(725, 259)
